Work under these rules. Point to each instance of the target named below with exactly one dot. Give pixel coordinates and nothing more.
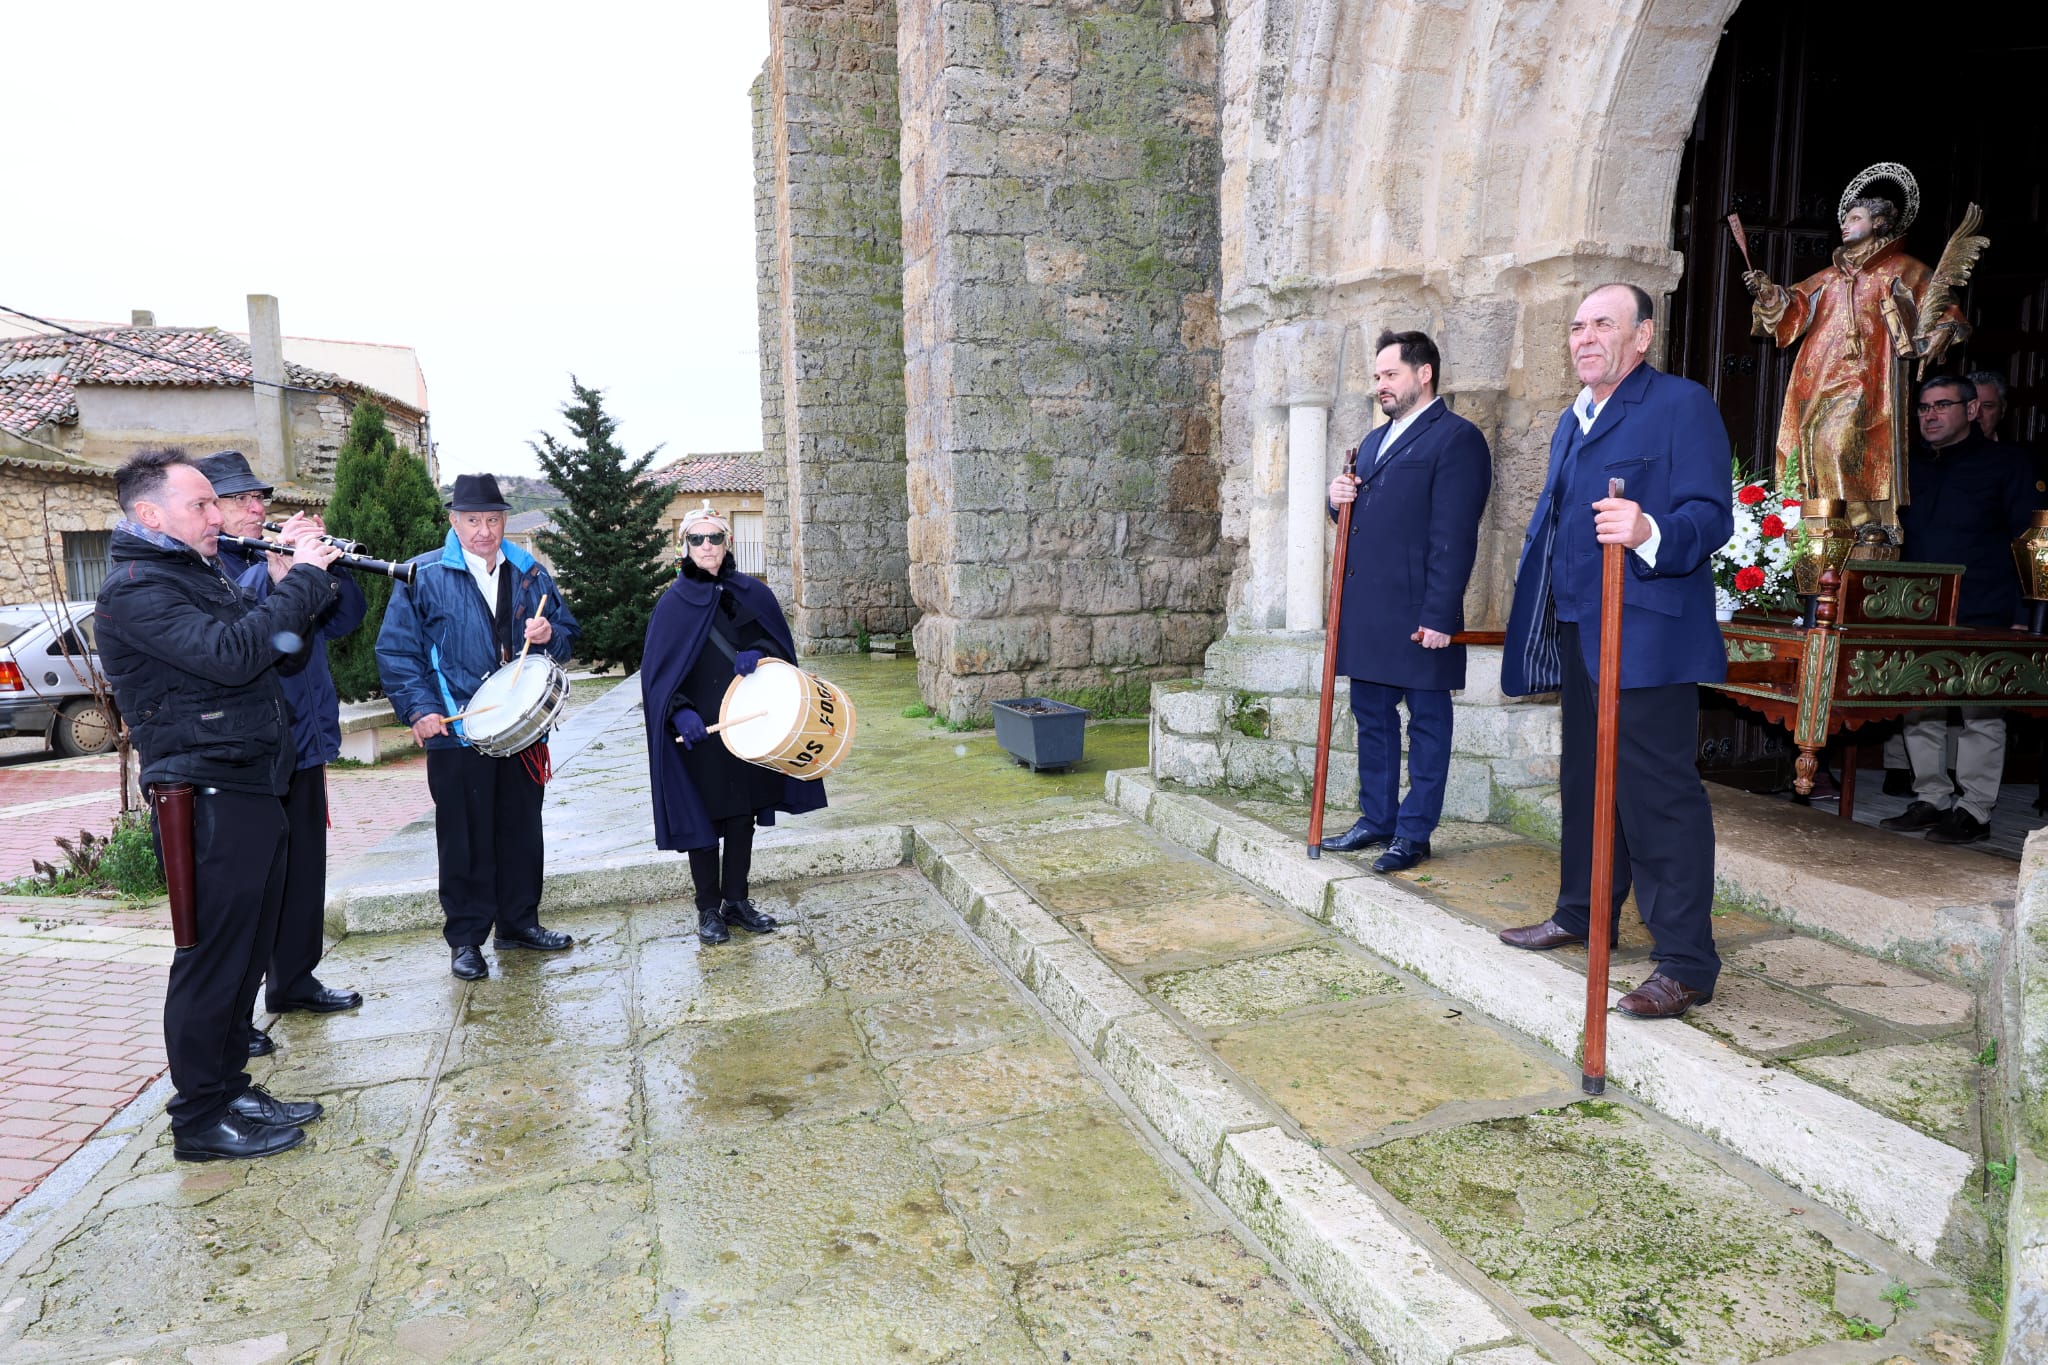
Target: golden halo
(1884, 170)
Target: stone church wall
(1060, 274)
(832, 108)
(774, 451)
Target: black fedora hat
(477, 493)
(229, 473)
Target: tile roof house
(734, 482)
(75, 404)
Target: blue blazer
(1414, 535)
(1664, 436)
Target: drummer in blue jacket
(289, 983)
(472, 607)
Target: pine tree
(383, 498)
(610, 554)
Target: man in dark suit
(1664, 437)
(1421, 485)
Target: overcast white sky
(519, 191)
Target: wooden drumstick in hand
(736, 720)
(540, 609)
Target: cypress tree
(610, 554)
(383, 498)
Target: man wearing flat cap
(472, 607)
(294, 952)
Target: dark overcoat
(680, 627)
(1414, 536)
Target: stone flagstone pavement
(1063, 1091)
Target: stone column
(1267, 535)
(1311, 389)
(266, 365)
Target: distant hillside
(525, 494)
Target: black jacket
(1969, 501)
(193, 662)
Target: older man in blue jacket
(294, 953)
(1665, 439)
(473, 606)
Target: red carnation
(1750, 495)
(1789, 505)
(1749, 579)
(1773, 526)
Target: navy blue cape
(677, 631)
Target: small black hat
(228, 471)
(477, 493)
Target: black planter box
(1041, 732)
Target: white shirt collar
(486, 579)
(1401, 424)
(1587, 410)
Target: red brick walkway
(82, 982)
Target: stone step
(1190, 991)
(1907, 1187)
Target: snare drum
(792, 721)
(516, 706)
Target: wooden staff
(1606, 734)
(1330, 620)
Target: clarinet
(360, 563)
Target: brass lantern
(2030, 557)
(1829, 539)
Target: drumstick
(736, 720)
(540, 609)
(471, 711)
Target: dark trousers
(238, 859)
(487, 831)
(715, 884)
(1374, 705)
(1663, 830)
(301, 921)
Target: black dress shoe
(468, 962)
(1402, 854)
(261, 1044)
(1914, 818)
(1958, 826)
(1356, 838)
(538, 939)
(235, 1138)
(260, 1106)
(322, 1000)
(745, 916)
(711, 926)
(1661, 998)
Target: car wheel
(84, 726)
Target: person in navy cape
(713, 624)
(1663, 436)
(1421, 486)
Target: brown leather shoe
(1540, 938)
(1660, 998)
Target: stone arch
(1468, 169)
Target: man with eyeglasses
(472, 607)
(1969, 498)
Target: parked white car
(46, 654)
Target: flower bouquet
(1754, 569)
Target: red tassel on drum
(538, 766)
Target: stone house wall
(839, 316)
(75, 501)
(1061, 346)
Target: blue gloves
(689, 726)
(746, 661)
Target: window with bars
(87, 556)
(746, 543)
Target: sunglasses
(707, 538)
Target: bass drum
(515, 707)
(783, 718)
